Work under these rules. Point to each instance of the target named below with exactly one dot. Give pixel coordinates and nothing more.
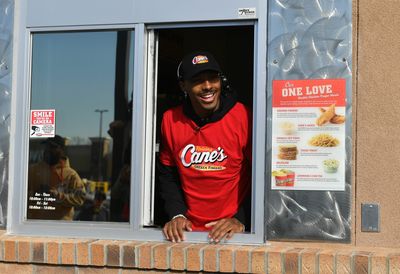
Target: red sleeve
(166, 155)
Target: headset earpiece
(226, 87)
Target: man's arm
(171, 190)
(244, 212)
(227, 227)
(174, 203)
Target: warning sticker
(43, 123)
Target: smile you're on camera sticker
(43, 123)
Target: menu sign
(308, 134)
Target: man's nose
(206, 84)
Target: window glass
(80, 130)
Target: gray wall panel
(43, 13)
(6, 27)
(310, 39)
(69, 13)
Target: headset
(226, 87)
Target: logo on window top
(199, 59)
(247, 12)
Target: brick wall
(54, 255)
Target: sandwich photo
(288, 152)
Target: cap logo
(199, 59)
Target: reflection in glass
(83, 173)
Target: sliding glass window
(80, 126)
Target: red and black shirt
(212, 158)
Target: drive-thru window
(91, 93)
(92, 85)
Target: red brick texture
(309, 261)
(292, 258)
(326, 262)
(49, 255)
(194, 255)
(178, 256)
(226, 258)
(161, 256)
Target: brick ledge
(278, 257)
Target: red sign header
(309, 93)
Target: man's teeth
(208, 95)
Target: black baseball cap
(196, 62)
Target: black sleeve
(171, 190)
(244, 212)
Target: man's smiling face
(204, 91)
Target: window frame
(26, 26)
(17, 223)
(151, 111)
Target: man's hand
(174, 229)
(224, 228)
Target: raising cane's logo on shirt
(203, 158)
